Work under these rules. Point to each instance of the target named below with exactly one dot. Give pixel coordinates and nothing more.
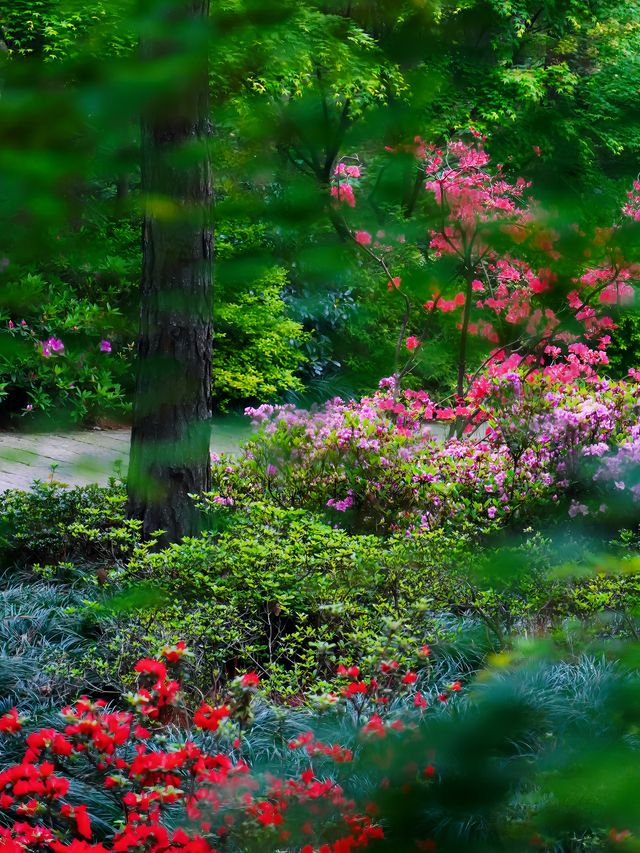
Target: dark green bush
(83, 527)
(284, 592)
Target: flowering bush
(582, 434)
(374, 464)
(178, 780)
(63, 361)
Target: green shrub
(78, 380)
(284, 592)
(83, 528)
(257, 347)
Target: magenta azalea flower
(52, 345)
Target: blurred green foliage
(624, 350)
(294, 88)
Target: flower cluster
(177, 789)
(345, 179)
(632, 207)
(51, 346)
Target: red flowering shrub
(412, 769)
(180, 790)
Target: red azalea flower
(208, 717)
(374, 726)
(149, 666)
(173, 654)
(351, 671)
(80, 816)
(10, 722)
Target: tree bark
(169, 458)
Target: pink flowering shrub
(57, 367)
(578, 430)
(376, 464)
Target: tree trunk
(172, 407)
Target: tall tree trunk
(172, 408)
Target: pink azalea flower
(363, 238)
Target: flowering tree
(483, 222)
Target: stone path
(86, 456)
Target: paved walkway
(87, 456)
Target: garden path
(87, 456)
